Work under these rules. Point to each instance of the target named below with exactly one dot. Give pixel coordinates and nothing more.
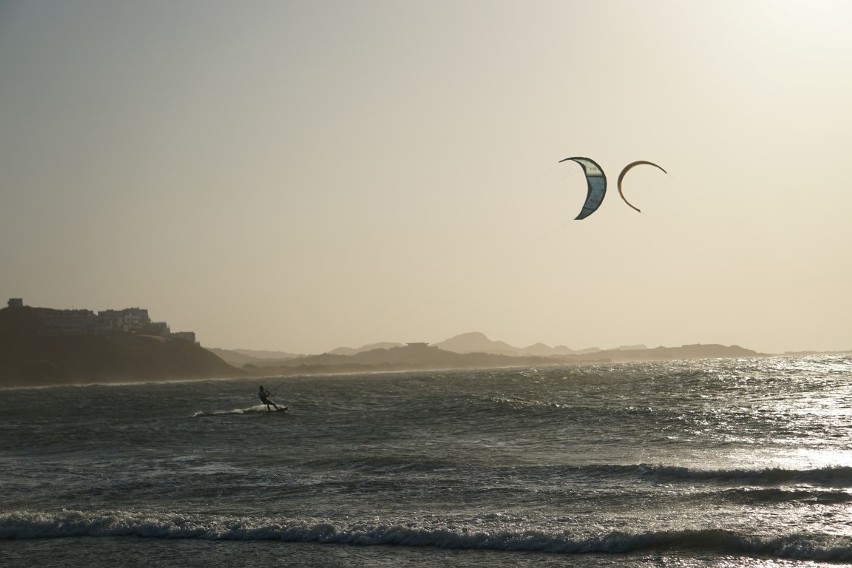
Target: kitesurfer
(264, 398)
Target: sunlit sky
(301, 176)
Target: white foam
(32, 524)
(260, 408)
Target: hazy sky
(307, 175)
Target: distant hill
(240, 357)
(476, 342)
(364, 348)
(29, 357)
(267, 359)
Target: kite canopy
(596, 183)
(626, 169)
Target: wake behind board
(261, 409)
(251, 411)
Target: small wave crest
(836, 477)
(26, 524)
(763, 495)
(831, 476)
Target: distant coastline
(46, 346)
(422, 356)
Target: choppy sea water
(689, 463)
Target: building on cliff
(128, 320)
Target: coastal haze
(301, 177)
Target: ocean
(743, 462)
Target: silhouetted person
(264, 398)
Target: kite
(596, 182)
(626, 169)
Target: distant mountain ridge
(477, 343)
(476, 350)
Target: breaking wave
(25, 524)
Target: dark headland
(40, 346)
